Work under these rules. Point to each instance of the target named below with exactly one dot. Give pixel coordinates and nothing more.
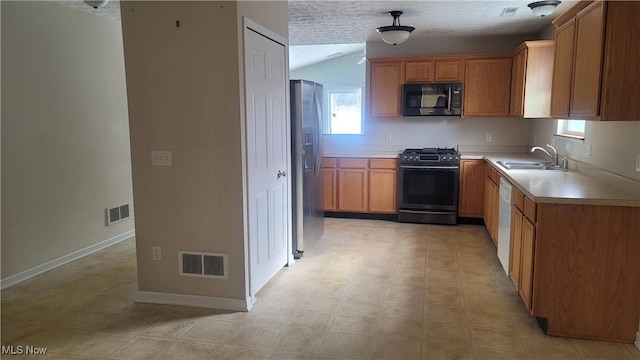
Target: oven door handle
(430, 167)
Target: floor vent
(199, 264)
(117, 214)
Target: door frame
(250, 25)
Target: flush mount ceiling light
(96, 3)
(543, 8)
(396, 33)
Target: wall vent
(117, 214)
(201, 264)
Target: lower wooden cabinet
(353, 188)
(523, 240)
(383, 186)
(360, 185)
(491, 202)
(471, 194)
(526, 271)
(329, 180)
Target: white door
(267, 151)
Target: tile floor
(366, 290)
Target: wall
(185, 96)
(614, 145)
(65, 139)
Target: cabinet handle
(281, 174)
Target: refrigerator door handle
(317, 145)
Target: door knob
(281, 174)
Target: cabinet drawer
(530, 209)
(352, 163)
(518, 199)
(383, 164)
(328, 163)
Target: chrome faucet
(554, 157)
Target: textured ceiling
(346, 22)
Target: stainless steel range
(428, 185)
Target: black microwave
(432, 99)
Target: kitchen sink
(527, 165)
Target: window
(345, 111)
(571, 128)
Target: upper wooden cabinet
(487, 87)
(531, 76)
(596, 62)
(449, 71)
(434, 70)
(386, 79)
(563, 70)
(418, 71)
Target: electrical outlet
(160, 158)
(488, 137)
(387, 137)
(587, 151)
(638, 163)
(157, 253)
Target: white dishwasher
(504, 224)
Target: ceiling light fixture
(396, 33)
(96, 3)
(543, 8)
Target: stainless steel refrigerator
(306, 148)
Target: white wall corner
(637, 343)
(209, 302)
(65, 259)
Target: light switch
(160, 158)
(587, 151)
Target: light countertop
(559, 187)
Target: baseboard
(50, 265)
(193, 301)
(637, 343)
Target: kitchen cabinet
(386, 79)
(531, 77)
(597, 47)
(471, 192)
(487, 87)
(586, 277)
(353, 185)
(523, 236)
(491, 205)
(569, 260)
(562, 70)
(360, 185)
(383, 185)
(449, 71)
(434, 70)
(329, 175)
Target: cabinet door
(329, 177)
(487, 87)
(518, 71)
(528, 251)
(449, 71)
(516, 246)
(418, 71)
(352, 190)
(471, 200)
(386, 88)
(383, 190)
(495, 209)
(562, 70)
(587, 73)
